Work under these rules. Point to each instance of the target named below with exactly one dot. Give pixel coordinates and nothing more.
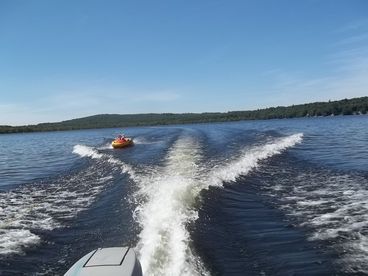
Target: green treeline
(342, 107)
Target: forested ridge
(342, 107)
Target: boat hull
(111, 261)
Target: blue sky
(66, 59)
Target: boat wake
(250, 158)
(167, 198)
(85, 151)
(30, 209)
(167, 206)
(332, 205)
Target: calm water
(277, 197)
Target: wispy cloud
(356, 25)
(363, 37)
(346, 73)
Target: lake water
(276, 197)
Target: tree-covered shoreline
(343, 107)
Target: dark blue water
(276, 197)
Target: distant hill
(342, 107)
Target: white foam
(164, 240)
(335, 208)
(250, 159)
(85, 151)
(312, 203)
(141, 140)
(46, 206)
(167, 195)
(34, 208)
(106, 146)
(13, 240)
